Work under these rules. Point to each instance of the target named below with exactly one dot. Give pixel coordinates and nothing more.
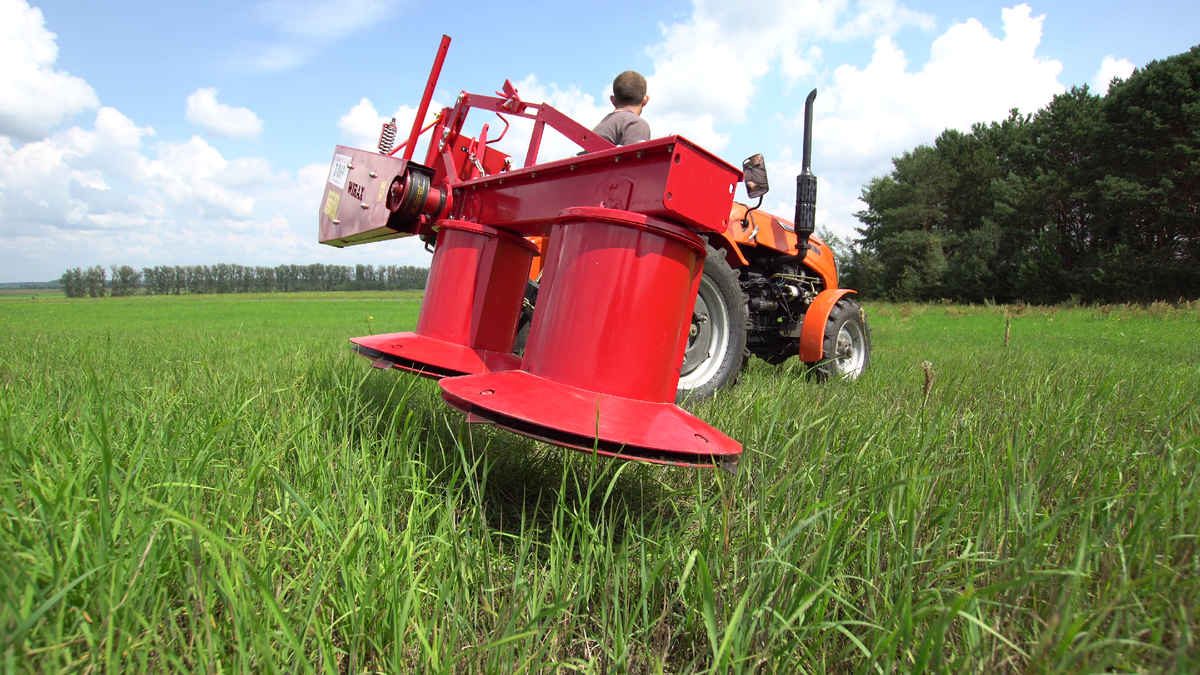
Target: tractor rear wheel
(847, 344)
(716, 346)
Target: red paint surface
(617, 296)
(472, 302)
(602, 362)
(475, 287)
(696, 191)
(517, 401)
(430, 357)
(621, 274)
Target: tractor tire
(716, 349)
(525, 320)
(847, 345)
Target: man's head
(629, 91)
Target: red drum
(472, 302)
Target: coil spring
(387, 137)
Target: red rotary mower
(575, 301)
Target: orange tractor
(575, 301)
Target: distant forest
(96, 281)
(1092, 199)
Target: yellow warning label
(331, 204)
(382, 189)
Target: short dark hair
(629, 88)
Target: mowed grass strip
(216, 484)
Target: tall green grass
(219, 485)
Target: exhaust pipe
(806, 185)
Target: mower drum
(472, 302)
(605, 347)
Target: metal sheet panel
(353, 209)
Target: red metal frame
(622, 270)
(403, 145)
(670, 178)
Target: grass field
(216, 484)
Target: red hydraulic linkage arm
(448, 130)
(426, 96)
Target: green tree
(125, 280)
(95, 280)
(72, 283)
(914, 265)
(1150, 194)
(1094, 196)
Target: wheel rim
(851, 351)
(708, 337)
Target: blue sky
(148, 133)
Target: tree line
(1091, 198)
(96, 282)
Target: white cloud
(98, 196)
(192, 179)
(305, 28)
(100, 180)
(706, 68)
(220, 120)
(1110, 68)
(33, 96)
(865, 117)
(361, 126)
(65, 181)
(880, 17)
(971, 76)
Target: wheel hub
(851, 349)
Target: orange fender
(812, 333)
(535, 268)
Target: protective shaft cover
(353, 208)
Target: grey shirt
(623, 127)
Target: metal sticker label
(382, 189)
(339, 171)
(331, 203)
